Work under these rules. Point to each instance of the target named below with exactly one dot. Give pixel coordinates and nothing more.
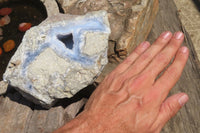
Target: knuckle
(117, 82)
(162, 58)
(138, 51)
(170, 110)
(173, 73)
(122, 95)
(175, 41)
(160, 40)
(174, 45)
(128, 60)
(135, 83)
(145, 56)
(121, 78)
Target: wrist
(78, 125)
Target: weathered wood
(17, 115)
(188, 119)
(14, 115)
(190, 18)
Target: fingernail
(145, 44)
(178, 35)
(184, 50)
(165, 35)
(183, 99)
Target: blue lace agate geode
(62, 55)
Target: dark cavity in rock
(67, 40)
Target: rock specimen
(59, 57)
(130, 22)
(3, 87)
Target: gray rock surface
(51, 7)
(130, 20)
(62, 55)
(3, 87)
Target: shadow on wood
(15, 96)
(197, 3)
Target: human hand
(132, 98)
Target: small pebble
(5, 20)
(5, 11)
(24, 26)
(9, 45)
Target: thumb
(170, 107)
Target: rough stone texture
(190, 18)
(3, 87)
(59, 57)
(51, 7)
(130, 22)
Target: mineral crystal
(62, 55)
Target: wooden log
(190, 19)
(18, 115)
(187, 120)
(14, 113)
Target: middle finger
(147, 56)
(165, 56)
